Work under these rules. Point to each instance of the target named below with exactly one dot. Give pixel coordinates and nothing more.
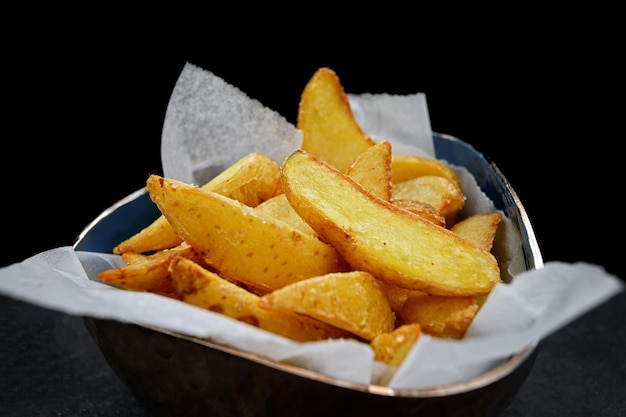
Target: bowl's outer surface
(174, 375)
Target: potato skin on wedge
(203, 288)
(373, 235)
(372, 169)
(149, 274)
(444, 317)
(233, 238)
(406, 167)
(440, 192)
(353, 301)
(251, 180)
(325, 118)
(392, 347)
(480, 228)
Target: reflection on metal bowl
(178, 375)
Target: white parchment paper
(210, 124)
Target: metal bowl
(177, 375)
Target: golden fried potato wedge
(325, 118)
(480, 229)
(373, 235)
(407, 167)
(392, 347)
(353, 301)
(150, 274)
(440, 316)
(279, 208)
(156, 236)
(251, 180)
(423, 209)
(238, 241)
(440, 192)
(132, 257)
(372, 169)
(203, 288)
(395, 295)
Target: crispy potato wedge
(392, 347)
(440, 316)
(150, 274)
(279, 208)
(440, 192)
(251, 180)
(396, 296)
(394, 245)
(240, 242)
(423, 209)
(353, 301)
(325, 118)
(372, 169)
(203, 288)
(156, 236)
(407, 167)
(132, 257)
(479, 228)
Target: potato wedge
(423, 209)
(373, 235)
(439, 316)
(157, 235)
(238, 241)
(407, 167)
(392, 347)
(132, 257)
(251, 180)
(325, 118)
(279, 208)
(396, 296)
(480, 229)
(202, 288)
(150, 274)
(353, 301)
(440, 192)
(372, 169)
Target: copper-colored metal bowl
(174, 374)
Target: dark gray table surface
(50, 366)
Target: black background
(83, 112)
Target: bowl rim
(489, 377)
